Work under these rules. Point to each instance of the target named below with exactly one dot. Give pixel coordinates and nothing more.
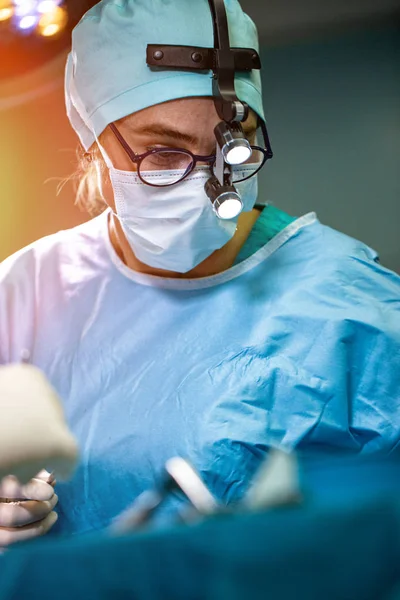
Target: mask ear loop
(104, 154)
(110, 166)
(108, 163)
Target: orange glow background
(37, 150)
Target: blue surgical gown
(297, 346)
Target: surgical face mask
(174, 228)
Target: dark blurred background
(332, 97)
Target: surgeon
(189, 317)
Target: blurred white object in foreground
(276, 482)
(33, 431)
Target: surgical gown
(296, 346)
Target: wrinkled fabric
(347, 548)
(297, 347)
(107, 76)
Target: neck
(217, 262)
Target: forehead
(188, 113)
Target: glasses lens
(249, 168)
(165, 167)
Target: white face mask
(174, 228)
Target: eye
(150, 148)
(166, 160)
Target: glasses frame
(195, 158)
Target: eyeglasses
(178, 163)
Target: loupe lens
(230, 209)
(249, 168)
(238, 154)
(234, 146)
(228, 205)
(171, 166)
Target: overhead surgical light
(6, 10)
(53, 21)
(32, 58)
(45, 17)
(6, 13)
(47, 6)
(27, 23)
(27, 8)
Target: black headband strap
(223, 60)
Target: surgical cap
(107, 76)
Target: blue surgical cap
(107, 76)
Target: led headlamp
(232, 146)
(225, 199)
(235, 148)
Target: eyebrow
(163, 131)
(174, 134)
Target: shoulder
(338, 285)
(360, 302)
(345, 312)
(54, 252)
(37, 281)
(356, 270)
(334, 260)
